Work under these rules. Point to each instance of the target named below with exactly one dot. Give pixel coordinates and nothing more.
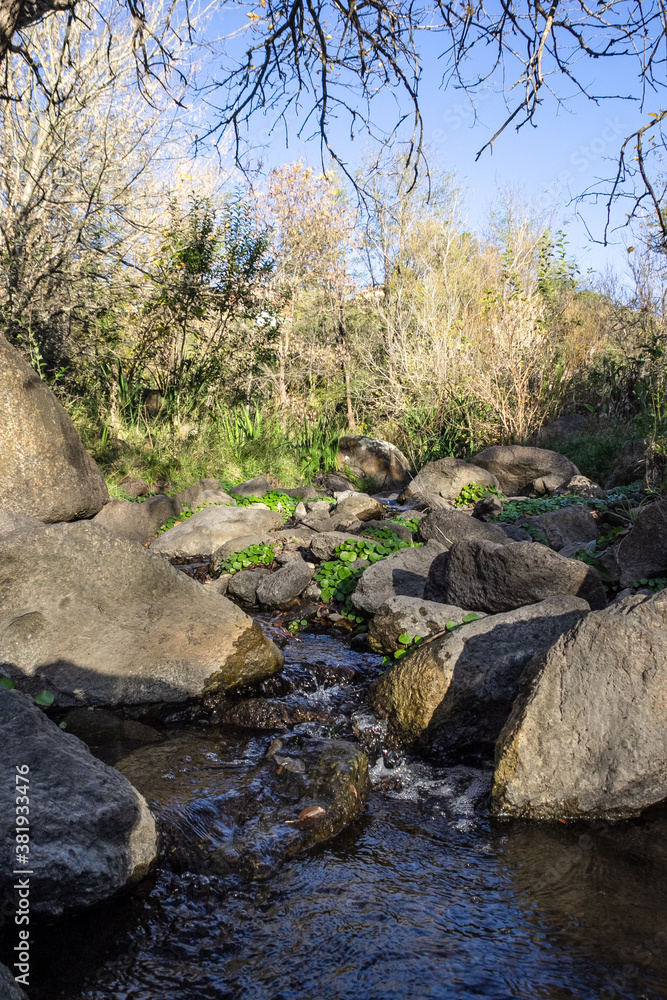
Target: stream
(423, 896)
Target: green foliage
(514, 509)
(408, 643)
(274, 500)
(536, 534)
(407, 522)
(43, 698)
(296, 626)
(655, 584)
(338, 579)
(473, 492)
(254, 555)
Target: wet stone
(224, 807)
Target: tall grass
(230, 445)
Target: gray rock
(487, 508)
(333, 482)
(361, 507)
(484, 576)
(630, 466)
(323, 546)
(9, 988)
(207, 530)
(584, 487)
(138, 522)
(243, 585)
(413, 615)
(378, 461)
(188, 497)
(11, 521)
(515, 533)
(564, 527)
(642, 553)
(278, 589)
(219, 585)
(134, 486)
(403, 573)
(313, 592)
(456, 691)
(45, 472)
(449, 526)
(99, 620)
(96, 726)
(521, 469)
(257, 487)
(91, 832)
(444, 479)
(342, 521)
(303, 493)
(587, 736)
(322, 507)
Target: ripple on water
(421, 898)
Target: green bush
(254, 555)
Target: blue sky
(570, 149)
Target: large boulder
(207, 530)
(587, 736)
(460, 687)
(411, 615)
(378, 461)
(402, 573)
(138, 522)
(440, 482)
(484, 576)
(11, 521)
(99, 620)
(252, 816)
(642, 552)
(449, 525)
(278, 590)
(520, 469)
(91, 832)
(564, 527)
(45, 471)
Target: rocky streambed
(421, 894)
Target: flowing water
(423, 896)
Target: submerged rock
(9, 988)
(587, 736)
(520, 469)
(484, 576)
(45, 472)
(102, 621)
(221, 813)
(91, 832)
(462, 684)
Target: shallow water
(422, 897)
